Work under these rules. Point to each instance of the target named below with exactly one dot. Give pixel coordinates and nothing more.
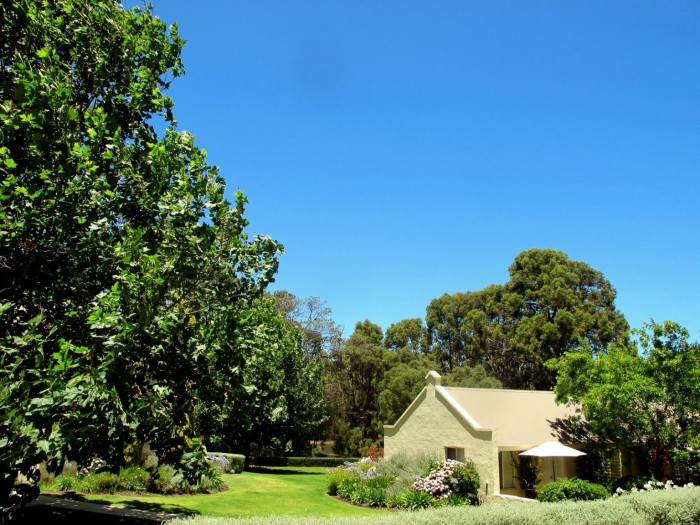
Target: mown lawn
(295, 491)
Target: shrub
(134, 479)
(571, 489)
(347, 487)
(95, 465)
(373, 451)
(394, 482)
(219, 462)
(66, 483)
(376, 497)
(395, 501)
(100, 482)
(302, 461)
(417, 499)
(450, 477)
(686, 465)
(468, 481)
(403, 469)
(335, 477)
(361, 494)
(527, 472)
(236, 462)
(169, 480)
(70, 468)
(269, 462)
(456, 500)
(162, 482)
(194, 472)
(627, 483)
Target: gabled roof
(521, 418)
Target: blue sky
(400, 149)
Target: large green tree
(548, 306)
(645, 394)
(558, 302)
(122, 265)
(263, 395)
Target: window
(454, 453)
(507, 469)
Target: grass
(294, 491)
(668, 507)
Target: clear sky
(402, 149)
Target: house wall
(431, 424)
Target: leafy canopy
(123, 267)
(645, 394)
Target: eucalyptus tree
(548, 306)
(353, 382)
(320, 334)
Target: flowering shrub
(450, 477)
(396, 484)
(95, 465)
(372, 452)
(219, 462)
(651, 486)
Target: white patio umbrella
(553, 449)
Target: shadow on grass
(59, 516)
(281, 471)
(151, 506)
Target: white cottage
(488, 426)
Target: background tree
(643, 395)
(405, 368)
(549, 304)
(471, 377)
(558, 303)
(354, 379)
(445, 319)
(320, 334)
(407, 333)
(122, 265)
(267, 397)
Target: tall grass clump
(404, 469)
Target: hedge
(329, 462)
(663, 507)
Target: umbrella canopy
(553, 449)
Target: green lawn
(297, 491)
